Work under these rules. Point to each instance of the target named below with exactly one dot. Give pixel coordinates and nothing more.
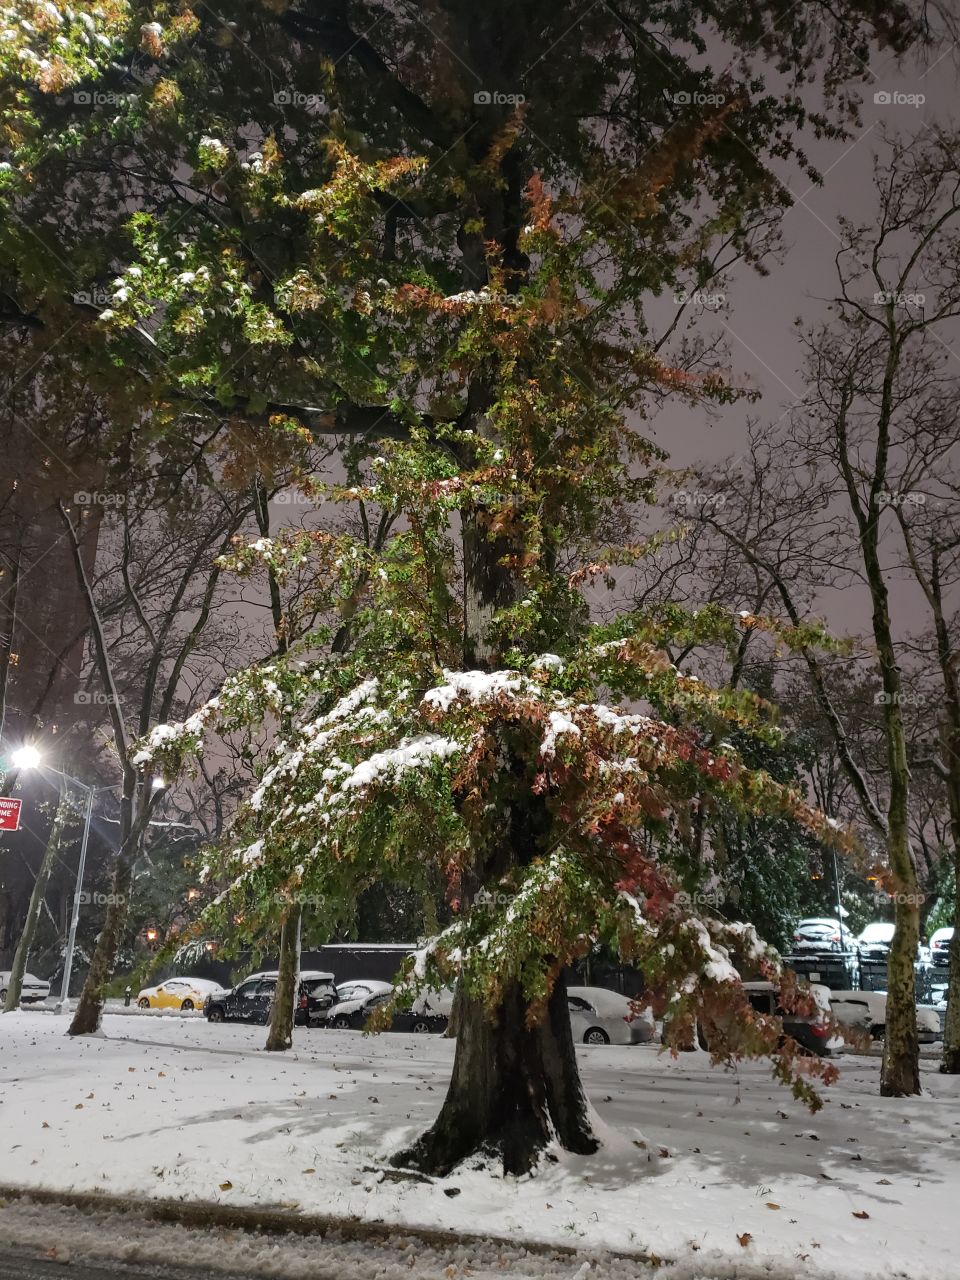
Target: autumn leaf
(861, 1214)
(745, 1239)
(772, 1204)
(226, 1186)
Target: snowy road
(734, 1170)
(26, 1264)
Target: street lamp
(28, 757)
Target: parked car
(179, 993)
(599, 1016)
(867, 1010)
(360, 988)
(812, 1032)
(32, 991)
(251, 999)
(353, 1014)
(823, 934)
(317, 997)
(352, 996)
(940, 947)
(874, 941)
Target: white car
(940, 941)
(599, 1016)
(440, 1001)
(32, 991)
(874, 941)
(352, 996)
(867, 1010)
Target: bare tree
(823, 500)
(149, 617)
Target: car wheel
(187, 1004)
(341, 1024)
(143, 1004)
(596, 1035)
(420, 1027)
(877, 1031)
(3, 996)
(215, 1015)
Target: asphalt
(26, 1264)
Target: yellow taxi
(178, 993)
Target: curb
(276, 1221)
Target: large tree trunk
(900, 1072)
(89, 1010)
(283, 1009)
(19, 967)
(514, 1090)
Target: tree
(463, 276)
(153, 634)
(931, 536)
(873, 435)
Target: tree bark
(283, 1009)
(514, 1090)
(19, 966)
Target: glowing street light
(28, 757)
(151, 934)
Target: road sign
(9, 814)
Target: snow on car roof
(880, 931)
(600, 996)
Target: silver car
(820, 934)
(599, 1016)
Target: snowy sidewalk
(178, 1109)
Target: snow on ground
(177, 1108)
(159, 1251)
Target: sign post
(9, 814)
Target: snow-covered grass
(176, 1108)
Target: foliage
(461, 287)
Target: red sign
(9, 814)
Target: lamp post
(75, 913)
(28, 757)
